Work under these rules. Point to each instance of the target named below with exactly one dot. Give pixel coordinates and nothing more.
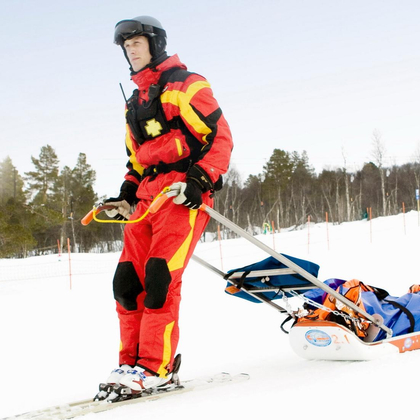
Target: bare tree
(416, 158)
(346, 183)
(379, 153)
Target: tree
(73, 196)
(82, 198)
(253, 202)
(41, 181)
(301, 182)
(15, 236)
(378, 153)
(47, 218)
(277, 174)
(11, 183)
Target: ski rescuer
(176, 134)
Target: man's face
(138, 52)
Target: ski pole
(89, 217)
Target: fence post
(220, 246)
(68, 249)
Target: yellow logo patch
(153, 128)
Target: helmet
(145, 26)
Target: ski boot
(138, 382)
(113, 380)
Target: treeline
(288, 192)
(43, 208)
(40, 210)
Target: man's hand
(123, 202)
(190, 194)
(121, 210)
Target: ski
(81, 408)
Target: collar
(150, 75)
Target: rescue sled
(281, 277)
(329, 325)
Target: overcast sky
(314, 75)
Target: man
(176, 134)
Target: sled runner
(338, 320)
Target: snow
(58, 343)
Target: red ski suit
(147, 282)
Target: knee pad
(157, 283)
(127, 285)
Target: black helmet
(145, 26)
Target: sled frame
(292, 268)
(255, 292)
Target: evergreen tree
(11, 183)
(42, 186)
(82, 198)
(15, 235)
(277, 173)
(41, 181)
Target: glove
(190, 194)
(123, 202)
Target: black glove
(190, 195)
(123, 202)
(198, 182)
(197, 174)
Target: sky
(65, 341)
(319, 76)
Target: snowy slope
(57, 344)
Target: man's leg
(176, 231)
(129, 286)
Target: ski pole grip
(158, 203)
(87, 219)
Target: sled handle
(158, 203)
(96, 210)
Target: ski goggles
(126, 29)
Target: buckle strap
(164, 168)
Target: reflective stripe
(178, 259)
(182, 100)
(167, 349)
(129, 143)
(178, 146)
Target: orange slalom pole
(68, 249)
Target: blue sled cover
(257, 283)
